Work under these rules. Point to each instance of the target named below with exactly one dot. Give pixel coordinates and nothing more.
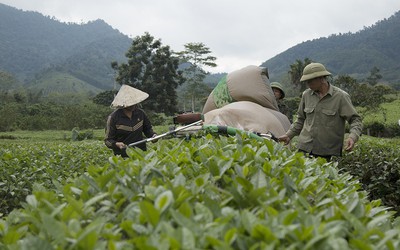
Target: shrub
(376, 163)
(392, 130)
(374, 129)
(81, 135)
(22, 164)
(380, 129)
(159, 119)
(205, 193)
(293, 105)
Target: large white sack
(247, 84)
(249, 116)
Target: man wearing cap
(322, 114)
(279, 95)
(127, 123)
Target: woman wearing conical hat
(127, 123)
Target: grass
(58, 135)
(48, 135)
(388, 114)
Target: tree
(196, 56)
(374, 76)
(105, 98)
(152, 68)
(7, 81)
(347, 83)
(363, 94)
(296, 71)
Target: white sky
(238, 32)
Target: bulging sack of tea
(249, 116)
(247, 84)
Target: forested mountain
(46, 54)
(354, 54)
(33, 47)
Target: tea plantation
(208, 192)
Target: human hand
(349, 144)
(156, 140)
(120, 145)
(284, 138)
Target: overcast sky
(238, 32)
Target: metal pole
(165, 134)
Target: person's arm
(111, 131)
(355, 123)
(297, 126)
(353, 118)
(147, 127)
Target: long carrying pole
(269, 135)
(232, 131)
(165, 134)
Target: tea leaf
(164, 200)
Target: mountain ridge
(35, 47)
(354, 54)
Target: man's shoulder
(339, 91)
(306, 92)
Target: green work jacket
(320, 123)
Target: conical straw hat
(128, 96)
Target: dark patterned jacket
(122, 129)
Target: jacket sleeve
(147, 127)
(111, 130)
(297, 126)
(352, 117)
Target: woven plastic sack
(249, 116)
(247, 84)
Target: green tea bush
(47, 163)
(159, 119)
(380, 129)
(384, 121)
(393, 130)
(205, 193)
(376, 163)
(81, 135)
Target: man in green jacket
(321, 117)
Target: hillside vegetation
(61, 82)
(33, 46)
(354, 54)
